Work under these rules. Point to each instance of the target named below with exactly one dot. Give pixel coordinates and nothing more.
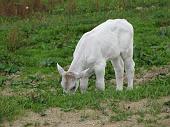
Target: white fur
(111, 40)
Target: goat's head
(70, 80)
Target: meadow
(33, 43)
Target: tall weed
(14, 40)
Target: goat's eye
(73, 88)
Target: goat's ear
(60, 69)
(82, 74)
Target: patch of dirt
(7, 92)
(148, 75)
(164, 122)
(55, 117)
(143, 105)
(152, 74)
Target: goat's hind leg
(119, 72)
(129, 69)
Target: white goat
(111, 40)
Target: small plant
(2, 80)
(13, 40)
(164, 31)
(84, 117)
(140, 120)
(106, 5)
(123, 4)
(28, 124)
(52, 3)
(8, 69)
(120, 116)
(71, 7)
(97, 5)
(1, 117)
(50, 62)
(155, 107)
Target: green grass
(50, 38)
(41, 98)
(10, 107)
(120, 116)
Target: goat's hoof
(83, 91)
(129, 88)
(119, 89)
(100, 89)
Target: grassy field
(31, 47)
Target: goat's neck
(76, 65)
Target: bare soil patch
(55, 117)
(144, 103)
(148, 75)
(6, 92)
(152, 74)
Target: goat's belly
(100, 56)
(111, 53)
(110, 48)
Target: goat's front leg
(100, 72)
(129, 68)
(84, 84)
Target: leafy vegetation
(31, 46)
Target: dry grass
(52, 3)
(13, 40)
(14, 8)
(106, 5)
(71, 7)
(37, 5)
(7, 8)
(23, 8)
(123, 4)
(97, 5)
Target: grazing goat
(111, 40)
